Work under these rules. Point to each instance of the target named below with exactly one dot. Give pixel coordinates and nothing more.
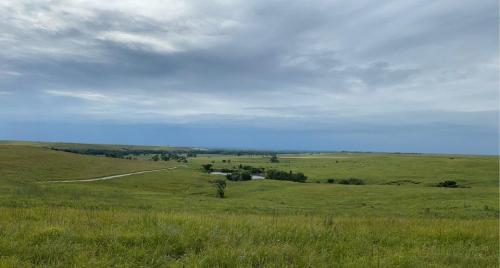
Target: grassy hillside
(172, 218)
(27, 163)
(83, 146)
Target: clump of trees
(274, 159)
(220, 186)
(176, 157)
(207, 167)
(274, 174)
(245, 172)
(236, 170)
(352, 181)
(448, 184)
(253, 170)
(239, 175)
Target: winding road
(113, 176)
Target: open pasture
(172, 218)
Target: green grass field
(172, 218)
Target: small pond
(254, 177)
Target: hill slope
(29, 163)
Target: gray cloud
(266, 61)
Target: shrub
(352, 181)
(448, 184)
(285, 176)
(330, 181)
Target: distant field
(173, 218)
(379, 168)
(67, 145)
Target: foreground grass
(66, 237)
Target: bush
(448, 184)
(352, 181)
(330, 181)
(285, 176)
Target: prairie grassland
(379, 168)
(67, 237)
(28, 163)
(172, 218)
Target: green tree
(207, 167)
(165, 157)
(220, 186)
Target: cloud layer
(270, 64)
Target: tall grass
(67, 237)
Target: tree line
(157, 155)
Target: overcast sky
(417, 76)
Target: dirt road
(113, 176)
